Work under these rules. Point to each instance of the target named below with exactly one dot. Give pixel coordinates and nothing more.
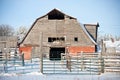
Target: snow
(112, 44)
(40, 76)
(8, 74)
(34, 73)
(115, 44)
(82, 26)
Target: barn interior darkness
(55, 15)
(55, 53)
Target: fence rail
(15, 63)
(79, 64)
(82, 63)
(112, 62)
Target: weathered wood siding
(69, 28)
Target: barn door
(55, 53)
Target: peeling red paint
(77, 49)
(27, 52)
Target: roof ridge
(58, 11)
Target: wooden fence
(83, 63)
(112, 62)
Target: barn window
(76, 39)
(62, 39)
(49, 39)
(55, 15)
(52, 39)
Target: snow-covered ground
(39, 76)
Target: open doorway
(55, 53)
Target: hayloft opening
(55, 53)
(55, 15)
(52, 39)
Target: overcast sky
(24, 12)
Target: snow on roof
(82, 26)
(115, 44)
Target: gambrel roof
(86, 32)
(58, 14)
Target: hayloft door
(55, 53)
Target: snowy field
(39, 76)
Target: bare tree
(21, 32)
(6, 30)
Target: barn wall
(27, 52)
(67, 28)
(74, 50)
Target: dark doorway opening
(55, 53)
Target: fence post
(69, 62)
(103, 53)
(23, 63)
(82, 61)
(41, 53)
(5, 64)
(0, 55)
(102, 65)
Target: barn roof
(95, 24)
(86, 32)
(56, 11)
(52, 11)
